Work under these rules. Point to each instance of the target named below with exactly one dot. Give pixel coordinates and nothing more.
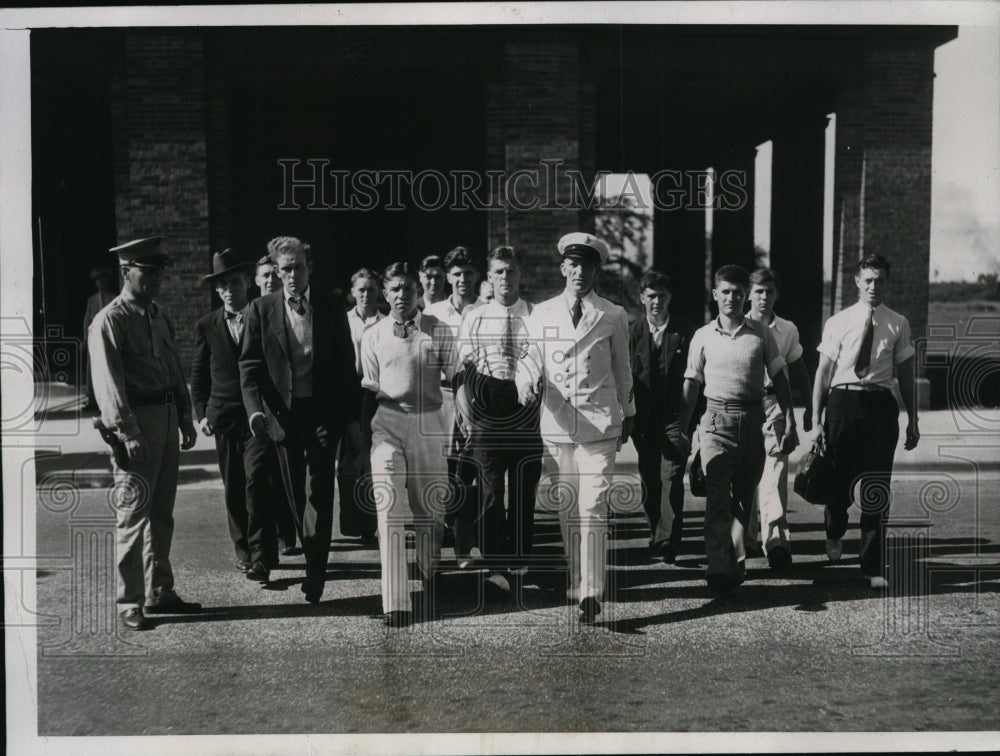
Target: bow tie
(403, 330)
(234, 315)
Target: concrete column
(161, 169)
(732, 216)
(797, 170)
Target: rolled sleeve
(695, 369)
(829, 345)
(903, 349)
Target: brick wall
(883, 179)
(161, 172)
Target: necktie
(577, 312)
(865, 355)
(298, 304)
(403, 330)
(507, 348)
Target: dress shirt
(358, 326)
(786, 336)
(446, 312)
(300, 345)
(586, 303)
(481, 337)
(132, 351)
(732, 365)
(842, 337)
(234, 322)
(657, 331)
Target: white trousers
(410, 483)
(583, 475)
(770, 504)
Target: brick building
(227, 137)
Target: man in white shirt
(432, 281)
(577, 364)
(503, 436)
(402, 358)
(357, 520)
(770, 505)
(865, 351)
(463, 277)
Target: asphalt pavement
(812, 650)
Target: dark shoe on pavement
(497, 585)
(313, 590)
(719, 583)
(259, 571)
(290, 550)
(397, 619)
(172, 605)
(667, 552)
(133, 619)
(590, 608)
(779, 558)
(242, 565)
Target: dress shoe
(242, 565)
(834, 548)
(172, 604)
(779, 558)
(667, 552)
(877, 581)
(133, 619)
(721, 584)
(497, 584)
(258, 571)
(397, 619)
(590, 608)
(313, 590)
(290, 550)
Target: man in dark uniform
(218, 406)
(143, 399)
(658, 347)
(301, 389)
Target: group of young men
(438, 415)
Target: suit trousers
(770, 507)
(143, 500)
(583, 475)
(661, 468)
(510, 467)
(357, 517)
(410, 483)
(230, 449)
(307, 469)
(862, 429)
(732, 455)
(266, 503)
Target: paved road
(813, 651)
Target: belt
(152, 399)
(733, 406)
(867, 387)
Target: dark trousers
(510, 464)
(357, 502)
(267, 507)
(307, 469)
(662, 463)
(230, 447)
(862, 428)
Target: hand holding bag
(814, 480)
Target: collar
(415, 318)
(355, 314)
(717, 322)
(129, 298)
(305, 294)
(241, 311)
(519, 308)
(656, 328)
(586, 299)
(451, 303)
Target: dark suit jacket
(266, 368)
(654, 411)
(215, 374)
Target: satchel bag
(814, 480)
(696, 477)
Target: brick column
(161, 170)
(883, 174)
(797, 170)
(539, 110)
(732, 216)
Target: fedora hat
(226, 262)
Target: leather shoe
(313, 590)
(242, 565)
(497, 584)
(133, 619)
(877, 581)
(290, 550)
(667, 552)
(172, 605)
(397, 619)
(834, 548)
(590, 607)
(779, 558)
(258, 571)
